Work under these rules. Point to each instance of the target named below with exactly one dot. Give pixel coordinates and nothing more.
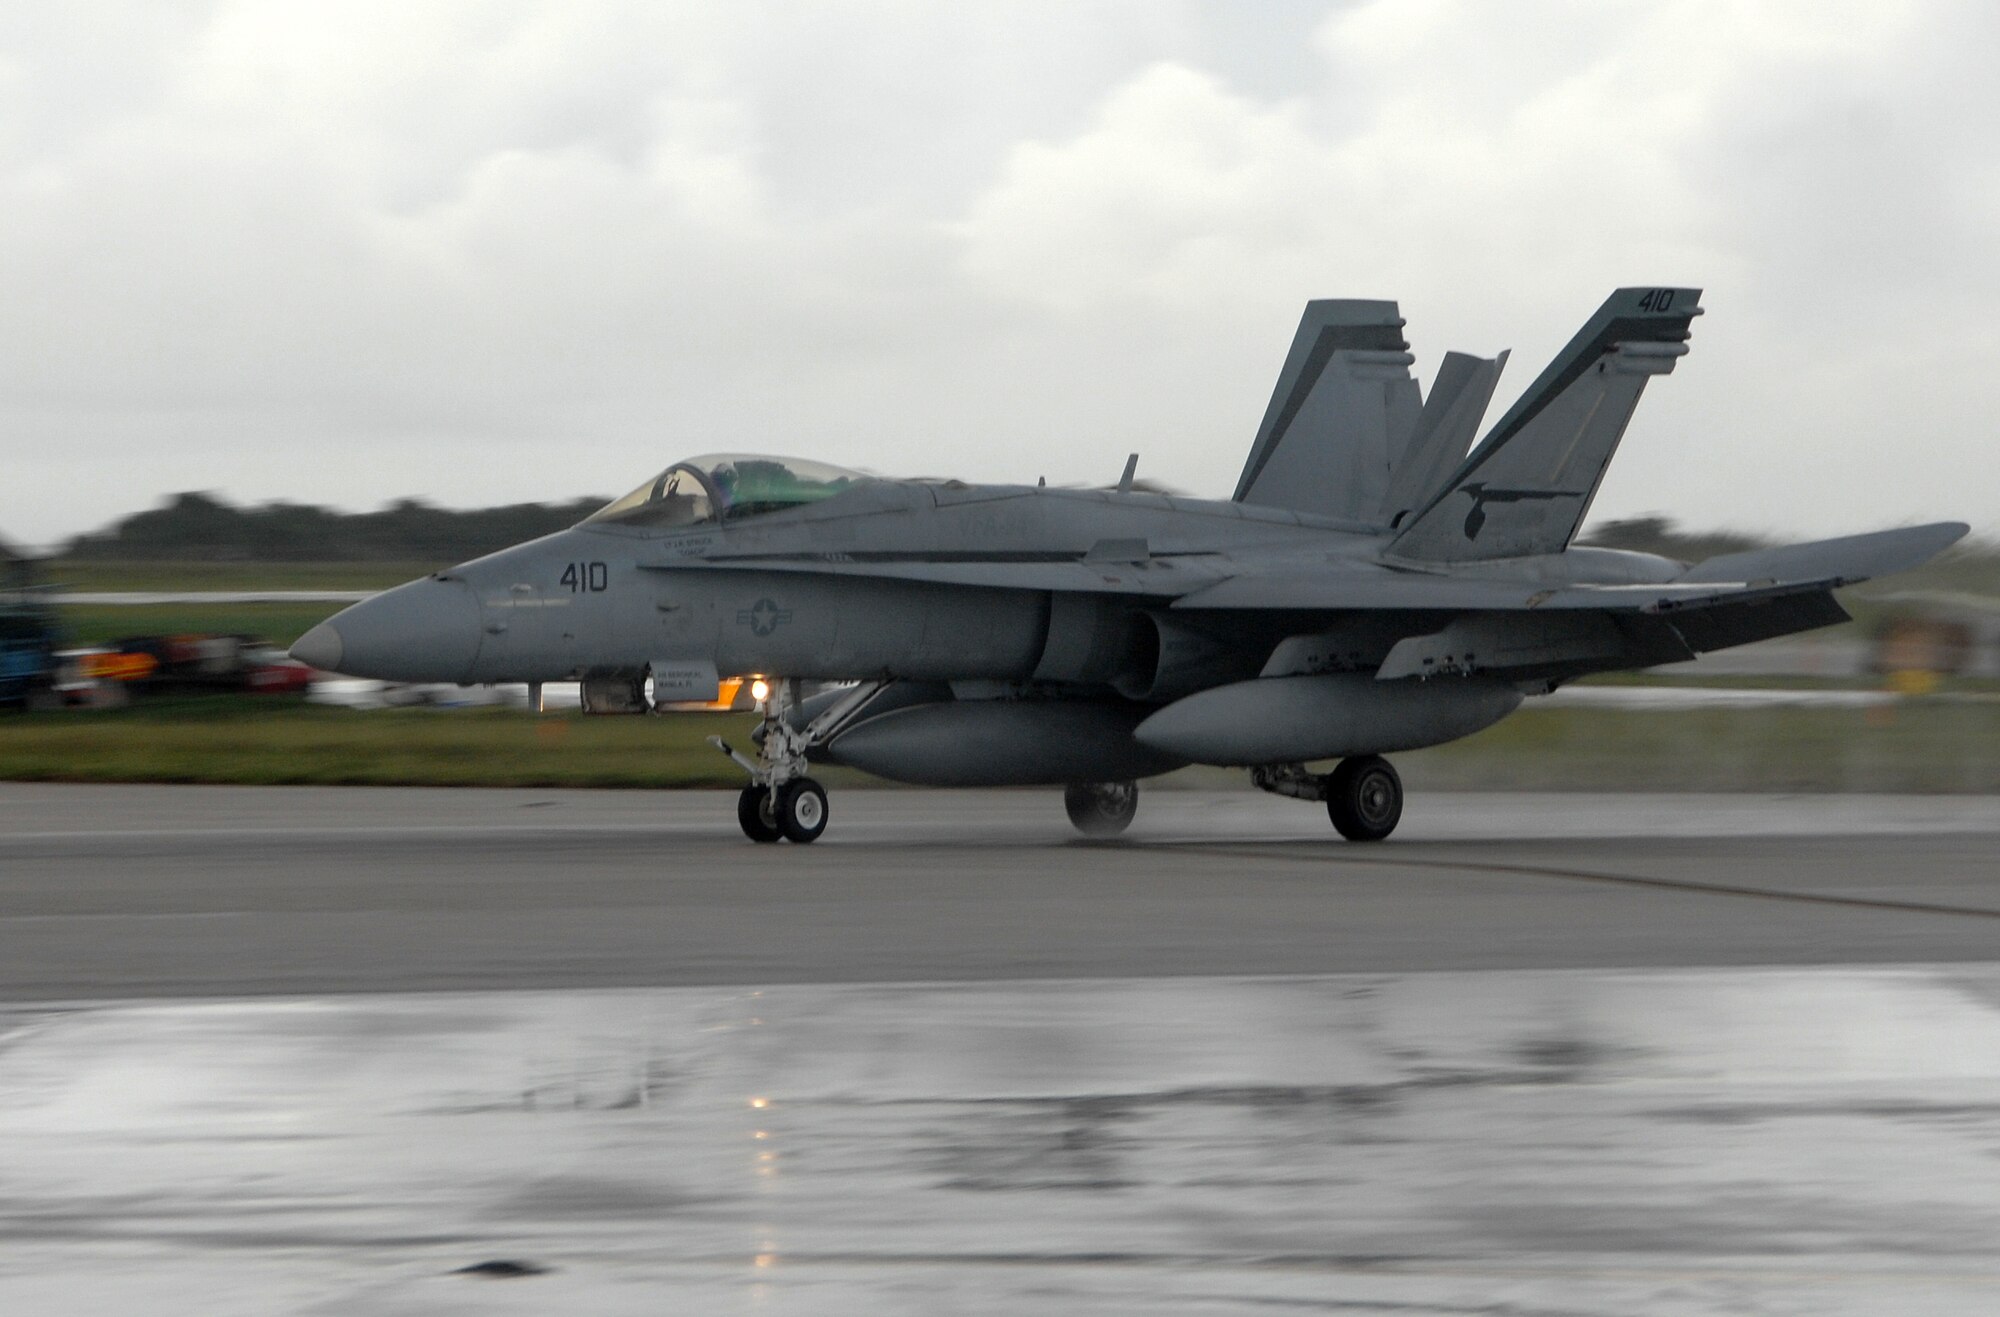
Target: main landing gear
(1363, 795)
(1101, 809)
(781, 802)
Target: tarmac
(122, 891)
(323, 1050)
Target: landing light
(760, 690)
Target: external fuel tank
(1278, 720)
(984, 743)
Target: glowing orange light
(760, 1103)
(118, 667)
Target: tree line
(202, 527)
(1658, 534)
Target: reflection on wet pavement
(1783, 1141)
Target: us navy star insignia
(763, 617)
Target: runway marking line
(1619, 879)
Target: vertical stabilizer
(1527, 486)
(1342, 411)
(1444, 430)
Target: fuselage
(789, 591)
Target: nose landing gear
(781, 801)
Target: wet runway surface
(319, 1051)
(125, 891)
(1533, 1144)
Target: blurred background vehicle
(30, 633)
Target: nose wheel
(801, 810)
(755, 813)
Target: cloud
(502, 251)
(1499, 168)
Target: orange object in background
(117, 666)
(1923, 644)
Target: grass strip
(1912, 746)
(271, 740)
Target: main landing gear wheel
(1101, 809)
(1364, 798)
(754, 812)
(801, 810)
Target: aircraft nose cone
(427, 630)
(319, 648)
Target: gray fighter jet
(1372, 586)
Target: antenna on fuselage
(1131, 469)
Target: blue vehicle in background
(30, 635)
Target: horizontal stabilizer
(1526, 488)
(1836, 561)
(1342, 410)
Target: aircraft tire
(801, 810)
(1101, 809)
(1364, 798)
(753, 812)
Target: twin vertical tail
(1443, 433)
(1347, 433)
(1526, 488)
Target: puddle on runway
(1566, 1142)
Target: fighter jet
(1376, 583)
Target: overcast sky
(498, 252)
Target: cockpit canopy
(726, 487)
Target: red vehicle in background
(189, 664)
(268, 670)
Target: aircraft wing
(1731, 579)
(1213, 583)
(1198, 582)
(1407, 593)
(1296, 591)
